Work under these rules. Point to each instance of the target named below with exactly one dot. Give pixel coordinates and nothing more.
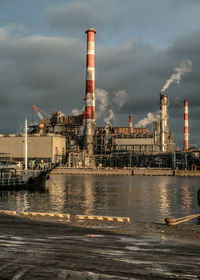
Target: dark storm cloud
(40, 70)
(83, 14)
(155, 21)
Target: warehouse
(49, 147)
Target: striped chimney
(90, 90)
(186, 130)
(131, 120)
(90, 75)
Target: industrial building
(48, 147)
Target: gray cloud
(150, 21)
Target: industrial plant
(78, 141)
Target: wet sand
(52, 249)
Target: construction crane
(40, 112)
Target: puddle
(110, 252)
(17, 237)
(135, 248)
(136, 261)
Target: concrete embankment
(127, 172)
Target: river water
(143, 199)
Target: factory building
(48, 147)
(111, 146)
(69, 126)
(122, 139)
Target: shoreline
(126, 172)
(187, 232)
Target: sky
(139, 45)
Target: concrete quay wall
(91, 171)
(120, 172)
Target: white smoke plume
(102, 102)
(75, 112)
(120, 98)
(151, 117)
(110, 117)
(184, 67)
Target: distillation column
(186, 130)
(90, 91)
(164, 130)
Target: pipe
(173, 222)
(83, 118)
(25, 144)
(186, 128)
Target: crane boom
(38, 112)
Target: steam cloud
(102, 102)
(184, 67)
(110, 117)
(151, 117)
(75, 112)
(120, 98)
(102, 105)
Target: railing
(11, 181)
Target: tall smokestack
(186, 130)
(90, 91)
(131, 120)
(164, 130)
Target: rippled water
(149, 199)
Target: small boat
(14, 178)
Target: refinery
(78, 142)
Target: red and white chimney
(90, 90)
(186, 129)
(131, 120)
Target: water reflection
(21, 200)
(141, 198)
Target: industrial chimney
(90, 91)
(186, 130)
(164, 131)
(130, 120)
